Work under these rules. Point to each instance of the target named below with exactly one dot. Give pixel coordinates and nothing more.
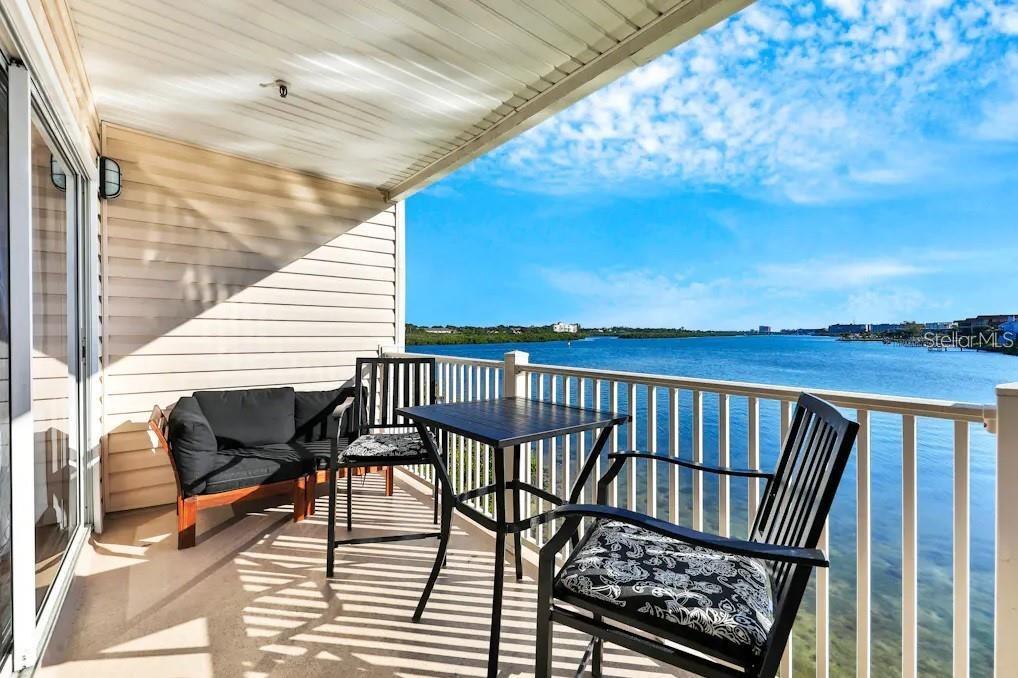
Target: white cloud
(804, 102)
(838, 275)
(874, 290)
(850, 9)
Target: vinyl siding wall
(223, 273)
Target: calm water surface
(824, 363)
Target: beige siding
(221, 272)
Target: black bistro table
(504, 424)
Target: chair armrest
(720, 470)
(772, 552)
(335, 422)
(342, 408)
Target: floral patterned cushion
(382, 445)
(719, 600)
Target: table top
(505, 422)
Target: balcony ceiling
(390, 94)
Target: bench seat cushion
(247, 467)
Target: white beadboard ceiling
(390, 94)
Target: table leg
(517, 536)
(496, 598)
(443, 545)
(448, 503)
(330, 545)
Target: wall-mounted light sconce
(109, 178)
(57, 174)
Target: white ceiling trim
(669, 30)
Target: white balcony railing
(669, 417)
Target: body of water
(824, 363)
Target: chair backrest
(389, 383)
(798, 498)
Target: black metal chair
(712, 605)
(380, 437)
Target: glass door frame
(28, 99)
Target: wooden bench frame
(303, 490)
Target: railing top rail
(923, 407)
(456, 360)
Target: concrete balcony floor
(251, 599)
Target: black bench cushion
(251, 466)
(249, 417)
(720, 601)
(312, 410)
(193, 445)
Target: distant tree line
(502, 334)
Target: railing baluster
(909, 550)
(553, 443)
(724, 521)
(462, 442)
(673, 451)
(753, 458)
(862, 547)
(489, 384)
(786, 419)
(613, 405)
(961, 549)
(581, 438)
(540, 462)
(652, 448)
(469, 462)
(596, 402)
(631, 430)
(479, 449)
(698, 458)
(567, 474)
(823, 609)
(527, 456)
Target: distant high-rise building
(848, 328)
(766, 329)
(569, 328)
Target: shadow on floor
(251, 600)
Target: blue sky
(802, 163)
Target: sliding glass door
(6, 527)
(55, 357)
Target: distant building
(766, 329)
(939, 326)
(982, 323)
(849, 328)
(438, 330)
(569, 328)
(880, 328)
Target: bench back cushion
(249, 417)
(313, 409)
(193, 445)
